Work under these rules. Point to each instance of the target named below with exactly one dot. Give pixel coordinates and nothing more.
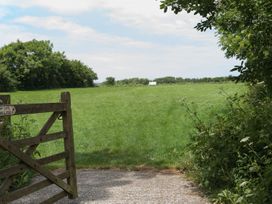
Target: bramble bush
(232, 154)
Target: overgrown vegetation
(232, 153)
(34, 65)
(18, 130)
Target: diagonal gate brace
(7, 145)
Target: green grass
(129, 126)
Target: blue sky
(118, 38)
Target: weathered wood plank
(34, 165)
(37, 140)
(7, 172)
(21, 167)
(69, 144)
(55, 198)
(31, 189)
(43, 131)
(39, 108)
(5, 186)
(53, 158)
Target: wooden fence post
(5, 123)
(69, 143)
(5, 99)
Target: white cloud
(144, 15)
(78, 32)
(122, 57)
(184, 61)
(11, 33)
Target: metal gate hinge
(7, 110)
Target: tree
(35, 65)
(244, 28)
(166, 80)
(7, 80)
(133, 81)
(110, 81)
(77, 74)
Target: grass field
(130, 126)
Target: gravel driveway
(125, 187)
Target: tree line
(34, 65)
(110, 81)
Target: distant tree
(76, 74)
(110, 81)
(133, 81)
(166, 80)
(35, 65)
(179, 80)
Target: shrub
(233, 153)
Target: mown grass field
(129, 126)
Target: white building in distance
(152, 83)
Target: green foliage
(205, 8)
(166, 80)
(35, 65)
(110, 81)
(173, 80)
(7, 80)
(244, 28)
(18, 130)
(76, 74)
(232, 153)
(132, 82)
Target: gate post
(69, 143)
(5, 99)
(5, 128)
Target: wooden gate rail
(23, 150)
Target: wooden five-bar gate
(23, 150)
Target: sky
(119, 38)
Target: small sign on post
(7, 110)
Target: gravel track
(126, 187)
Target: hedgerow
(232, 154)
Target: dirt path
(125, 187)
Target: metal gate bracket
(7, 110)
